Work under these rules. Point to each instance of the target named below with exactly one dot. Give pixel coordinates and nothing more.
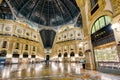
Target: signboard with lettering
(103, 36)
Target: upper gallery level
(17, 29)
(68, 33)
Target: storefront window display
(106, 55)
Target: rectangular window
(93, 2)
(94, 6)
(17, 46)
(26, 47)
(4, 44)
(33, 48)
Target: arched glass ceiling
(47, 37)
(5, 12)
(46, 12)
(79, 21)
(101, 22)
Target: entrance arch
(72, 58)
(15, 54)
(80, 54)
(3, 53)
(47, 57)
(15, 57)
(65, 59)
(25, 55)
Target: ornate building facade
(95, 42)
(66, 44)
(100, 40)
(19, 43)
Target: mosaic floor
(52, 71)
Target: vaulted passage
(47, 12)
(48, 37)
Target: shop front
(105, 50)
(15, 57)
(3, 54)
(33, 60)
(25, 58)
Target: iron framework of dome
(5, 11)
(46, 12)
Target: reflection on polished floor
(51, 71)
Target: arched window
(3, 53)
(17, 46)
(25, 55)
(65, 54)
(71, 35)
(33, 48)
(15, 54)
(80, 54)
(64, 36)
(59, 38)
(26, 47)
(4, 44)
(59, 55)
(100, 23)
(72, 54)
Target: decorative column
(89, 55)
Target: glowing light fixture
(116, 26)
(80, 45)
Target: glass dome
(5, 11)
(46, 12)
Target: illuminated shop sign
(103, 36)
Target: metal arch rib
(53, 12)
(61, 14)
(42, 10)
(11, 8)
(77, 17)
(37, 2)
(67, 10)
(23, 7)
